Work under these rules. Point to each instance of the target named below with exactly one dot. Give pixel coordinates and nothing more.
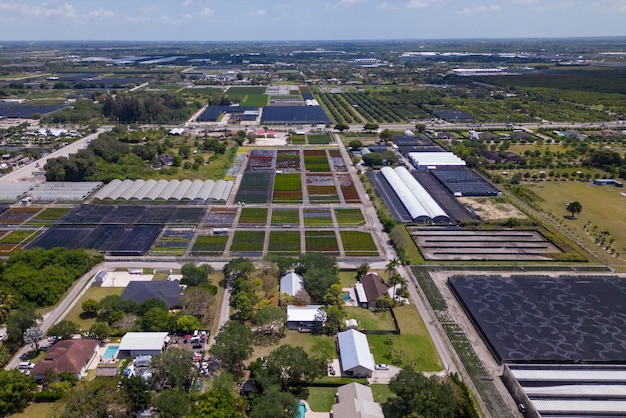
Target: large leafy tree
(96, 398)
(270, 320)
(287, 366)
(195, 276)
(172, 403)
(274, 403)
(574, 208)
(218, 404)
(16, 390)
(172, 367)
(19, 321)
(319, 273)
(233, 345)
(138, 392)
(63, 329)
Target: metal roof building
(354, 354)
(166, 190)
(136, 344)
(291, 283)
(434, 159)
(408, 199)
(436, 213)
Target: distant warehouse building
(427, 160)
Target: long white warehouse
(436, 213)
(207, 190)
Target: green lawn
(294, 338)
(96, 293)
(370, 320)
(414, 342)
(319, 139)
(321, 399)
(248, 96)
(603, 206)
(37, 410)
(381, 393)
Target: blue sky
(224, 20)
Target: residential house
(354, 354)
(355, 400)
(369, 289)
(67, 356)
(291, 283)
(305, 318)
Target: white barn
(291, 283)
(354, 354)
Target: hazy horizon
(305, 20)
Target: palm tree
(391, 266)
(7, 302)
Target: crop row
(336, 109)
(372, 109)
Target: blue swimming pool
(111, 351)
(301, 410)
(346, 296)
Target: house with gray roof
(355, 400)
(291, 283)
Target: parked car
(382, 366)
(26, 365)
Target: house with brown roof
(369, 289)
(67, 356)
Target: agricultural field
(254, 187)
(284, 243)
(357, 243)
(349, 217)
(17, 216)
(288, 161)
(172, 242)
(297, 139)
(248, 96)
(319, 139)
(253, 216)
(321, 188)
(209, 245)
(316, 161)
(336, 160)
(15, 240)
(339, 109)
(221, 217)
(317, 217)
(282, 217)
(287, 188)
(321, 242)
(248, 242)
(48, 217)
(348, 189)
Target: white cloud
(386, 6)
(421, 4)
(206, 12)
(344, 3)
(186, 3)
(478, 9)
(100, 14)
(256, 13)
(616, 5)
(44, 10)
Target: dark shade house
(168, 291)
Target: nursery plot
(284, 242)
(348, 189)
(172, 242)
(255, 186)
(321, 188)
(15, 240)
(283, 217)
(319, 139)
(253, 217)
(287, 188)
(336, 161)
(48, 217)
(317, 217)
(261, 159)
(288, 161)
(321, 241)
(316, 161)
(349, 217)
(209, 245)
(17, 216)
(250, 242)
(297, 139)
(221, 217)
(357, 243)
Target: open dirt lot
(489, 210)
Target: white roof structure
(580, 407)
(308, 313)
(435, 212)
(177, 131)
(291, 283)
(134, 341)
(434, 159)
(580, 391)
(10, 191)
(569, 375)
(67, 191)
(165, 190)
(354, 350)
(360, 292)
(408, 199)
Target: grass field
(319, 139)
(321, 241)
(209, 245)
(285, 217)
(248, 242)
(294, 338)
(382, 393)
(414, 342)
(349, 217)
(357, 243)
(369, 319)
(96, 293)
(248, 96)
(37, 410)
(48, 217)
(321, 399)
(284, 242)
(603, 206)
(297, 139)
(253, 216)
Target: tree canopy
(319, 272)
(233, 345)
(16, 390)
(172, 368)
(574, 208)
